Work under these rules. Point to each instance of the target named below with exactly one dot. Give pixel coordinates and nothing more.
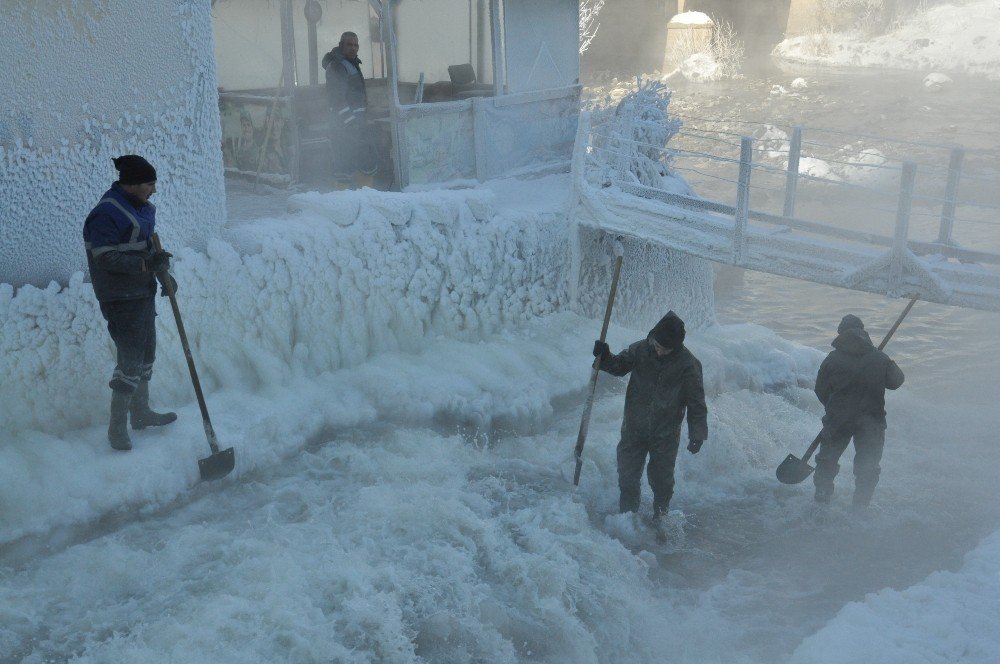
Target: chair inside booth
(462, 84)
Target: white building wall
(89, 80)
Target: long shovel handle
(169, 288)
(899, 321)
(585, 421)
(885, 341)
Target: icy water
(399, 543)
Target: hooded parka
(851, 385)
(661, 390)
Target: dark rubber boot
(661, 505)
(142, 416)
(823, 479)
(628, 501)
(864, 486)
(824, 492)
(118, 426)
(863, 492)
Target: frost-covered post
(589, 9)
(792, 178)
(742, 201)
(950, 196)
(900, 242)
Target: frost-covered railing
(614, 156)
(486, 137)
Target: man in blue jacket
(851, 385)
(124, 269)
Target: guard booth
(458, 90)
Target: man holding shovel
(124, 268)
(851, 385)
(666, 381)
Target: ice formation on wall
(348, 276)
(95, 79)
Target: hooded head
(133, 169)
(669, 332)
(850, 322)
(852, 337)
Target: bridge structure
(611, 194)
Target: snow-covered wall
(89, 80)
(348, 276)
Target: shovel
(793, 470)
(585, 420)
(220, 463)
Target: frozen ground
(414, 505)
(411, 502)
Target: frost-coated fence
(789, 202)
(487, 137)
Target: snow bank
(691, 18)
(950, 617)
(279, 309)
(948, 37)
(83, 86)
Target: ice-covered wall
(88, 80)
(348, 276)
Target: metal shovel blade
(218, 465)
(793, 470)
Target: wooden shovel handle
(585, 420)
(206, 421)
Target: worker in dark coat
(851, 385)
(354, 159)
(666, 382)
(124, 269)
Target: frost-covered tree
(630, 138)
(720, 57)
(589, 9)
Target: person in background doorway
(851, 385)
(666, 381)
(354, 158)
(124, 269)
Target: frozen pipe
(900, 242)
(792, 178)
(950, 196)
(617, 247)
(742, 201)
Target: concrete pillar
(803, 18)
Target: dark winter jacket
(659, 392)
(345, 87)
(117, 236)
(853, 379)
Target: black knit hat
(133, 169)
(850, 322)
(669, 332)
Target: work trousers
(353, 150)
(632, 453)
(869, 440)
(132, 324)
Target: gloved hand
(695, 445)
(158, 261)
(601, 349)
(163, 284)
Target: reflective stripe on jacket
(116, 236)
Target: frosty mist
(402, 377)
